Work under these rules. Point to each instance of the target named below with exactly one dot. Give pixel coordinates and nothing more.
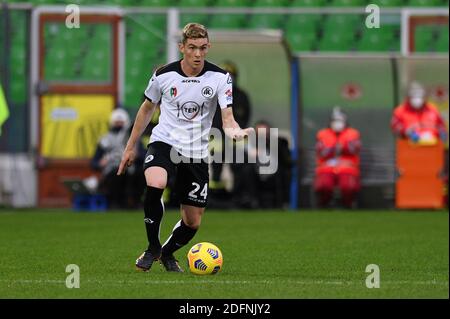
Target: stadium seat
(348, 3)
(343, 21)
(226, 21)
(18, 92)
(193, 3)
(301, 41)
(308, 3)
(302, 23)
(336, 41)
(374, 40)
(199, 18)
(388, 3)
(424, 3)
(270, 3)
(266, 21)
(442, 40)
(423, 38)
(156, 3)
(233, 3)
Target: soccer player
(189, 91)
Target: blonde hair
(194, 31)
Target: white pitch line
(226, 282)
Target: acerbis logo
(190, 81)
(148, 221)
(207, 92)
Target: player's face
(194, 52)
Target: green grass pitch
(267, 254)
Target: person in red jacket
(337, 161)
(417, 119)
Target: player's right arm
(143, 118)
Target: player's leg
(156, 170)
(324, 186)
(349, 186)
(192, 188)
(184, 230)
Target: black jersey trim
(150, 99)
(176, 67)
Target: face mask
(416, 102)
(116, 129)
(337, 126)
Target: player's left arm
(231, 127)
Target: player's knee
(157, 184)
(194, 224)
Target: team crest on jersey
(207, 92)
(173, 91)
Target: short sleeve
(153, 90)
(225, 91)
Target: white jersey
(188, 105)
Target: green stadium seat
(336, 41)
(122, 2)
(301, 41)
(424, 38)
(227, 21)
(374, 40)
(18, 90)
(302, 23)
(348, 3)
(198, 18)
(96, 67)
(266, 21)
(348, 22)
(270, 3)
(388, 3)
(308, 3)
(193, 3)
(424, 3)
(233, 3)
(442, 40)
(156, 3)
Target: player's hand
(127, 160)
(238, 133)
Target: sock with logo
(181, 235)
(154, 210)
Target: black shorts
(191, 175)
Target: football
(205, 259)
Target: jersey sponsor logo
(149, 158)
(190, 110)
(190, 81)
(173, 91)
(229, 95)
(207, 92)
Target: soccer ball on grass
(205, 259)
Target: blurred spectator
(337, 159)
(122, 191)
(256, 188)
(417, 119)
(241, 111)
